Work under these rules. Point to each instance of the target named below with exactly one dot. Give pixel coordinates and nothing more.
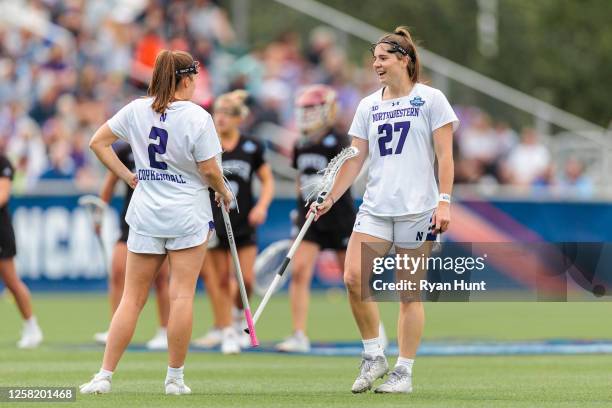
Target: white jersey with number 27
(401, 179)
(171, 198)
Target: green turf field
(269, 380)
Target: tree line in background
(557, 50)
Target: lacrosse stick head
(267, 264)
(225, 170)
(95, 206)
(326, 182)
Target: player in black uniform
(242, 159)
(31, 335)
(316, 112)
(117, 275)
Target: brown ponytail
(401, 36)
(165, 80)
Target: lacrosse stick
(232, 244)
(267, 264)
(320, 191)
(95, 207)
(239, 279)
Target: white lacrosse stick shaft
(330, 173)
(283, 267)
(239, 278)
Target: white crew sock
(175, 373)
(31, 323)
(162, 331)
(105, 373)
(373, 347)
(405, 362)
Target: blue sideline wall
(57, 250)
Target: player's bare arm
(101, 145)
(211, 173)
(443, 146)
(259, 213)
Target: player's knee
(13, 285)
(352, 277)
(182, 296)
(409, 306)
(182, 292)
(299, 267)
(133, 302)
(161, 283)
(224, 283)
(117, 278)
(300, 273)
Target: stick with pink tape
(239, 278)
(251, 326)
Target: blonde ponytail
(237, 100)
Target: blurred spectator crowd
(491, 153)
(71, 64)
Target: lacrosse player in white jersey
(176, 151)
(402, 128)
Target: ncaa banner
(56, 245)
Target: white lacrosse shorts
(142, 244)
(406, 231)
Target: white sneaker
(398, 382)
(296, 343)
(211, 339)
(159, 341)
(371, 369)
(230, 343)
(175, 386)
(31, 337)
(244, 339)
(98, 385)
(101, 338)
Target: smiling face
(389, 67)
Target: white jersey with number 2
(171, 198)
(401, 179)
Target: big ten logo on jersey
(374, 108)
(58, 241)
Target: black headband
(192, 69)
(395, 47)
